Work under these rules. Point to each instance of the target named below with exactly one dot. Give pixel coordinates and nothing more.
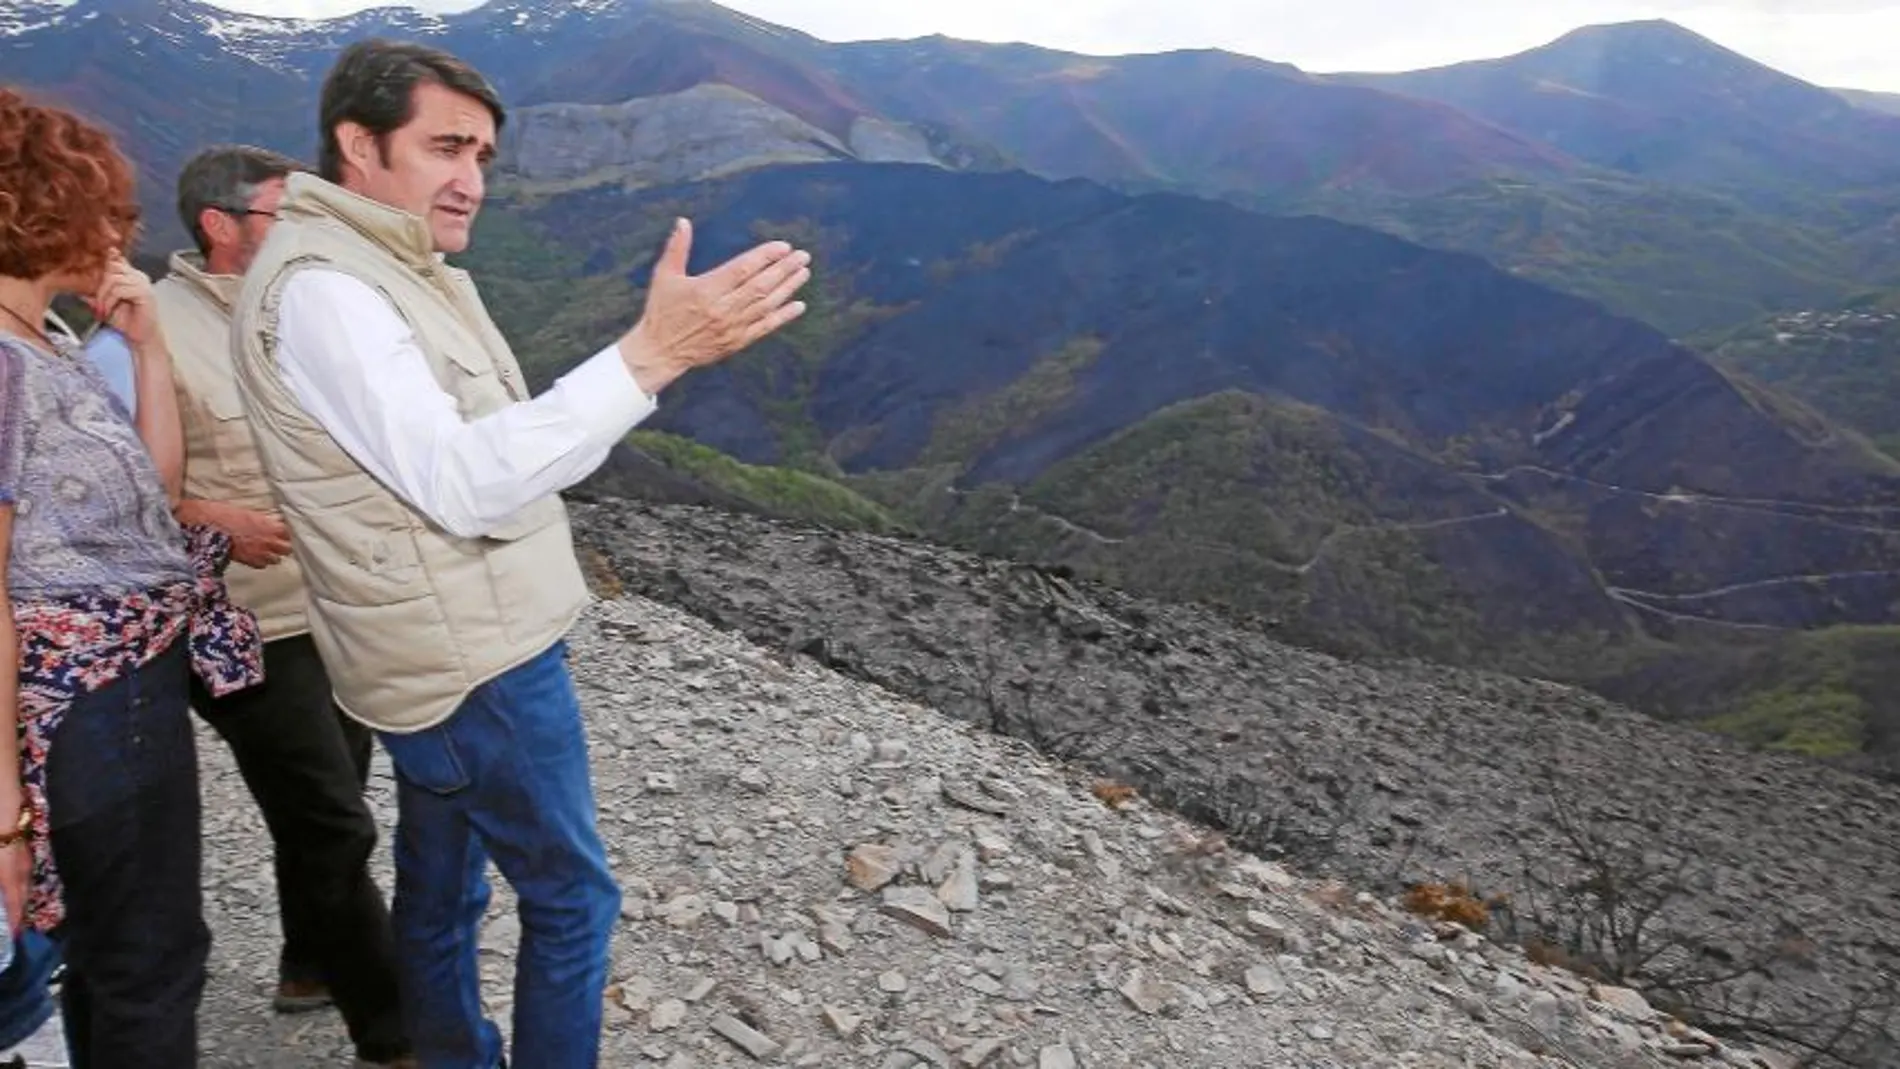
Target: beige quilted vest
(408, 617)
(221, 462)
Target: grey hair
(228, 177)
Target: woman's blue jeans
(26, 998)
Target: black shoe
(299, 996)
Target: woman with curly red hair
(110, 606)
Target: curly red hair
(59, 173)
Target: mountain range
(1638, 164)
(1654, 99)
(1391, 364)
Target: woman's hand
(125, 303)
(16, 869)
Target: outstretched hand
(692, 321)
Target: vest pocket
(360, 539)
(529, 572)
(231, 436)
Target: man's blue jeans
(505, 777)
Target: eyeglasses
(228, 210)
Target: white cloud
(1832, 42)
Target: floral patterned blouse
(101, 577)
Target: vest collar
(220, 290)
(402, 234)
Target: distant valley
(1362, 444)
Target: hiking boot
(300, 996)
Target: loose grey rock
(991, 845)
(835, 938)
(1271, 929)
(1266, 981)
(975, 800)
(983, 984)
(919, 908)
(842, 1022)
(959, 891)
(667, 1015)
(635, 994)
(778, 950)
(1019, 984)
(1625, 1003)
(941, 863)
(684, 911)
(1143, 993)
(928, 1052)
(741, 1035)
(871, 866)
(980, 1053)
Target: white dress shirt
(353, 363)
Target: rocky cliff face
(680, 137)
(699, 133)
(1380, 775)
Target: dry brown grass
(1448, 902)
(598, 569)
(1113, 795)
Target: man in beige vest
(420, 484)
(305, 763)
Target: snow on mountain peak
(265, 38)
(20, 16)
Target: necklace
(37, 332)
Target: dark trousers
(122, 795)
(306, 765)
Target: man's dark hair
(225, 176)
(373, 84)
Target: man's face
(254, 224)
(434, 164)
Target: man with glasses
(305, 763)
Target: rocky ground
(820, 873)
(1376, 775)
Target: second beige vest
(221, 461)
(409, 618)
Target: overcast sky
(1831, 42)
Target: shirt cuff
(603, 397)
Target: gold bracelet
(21, 829)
